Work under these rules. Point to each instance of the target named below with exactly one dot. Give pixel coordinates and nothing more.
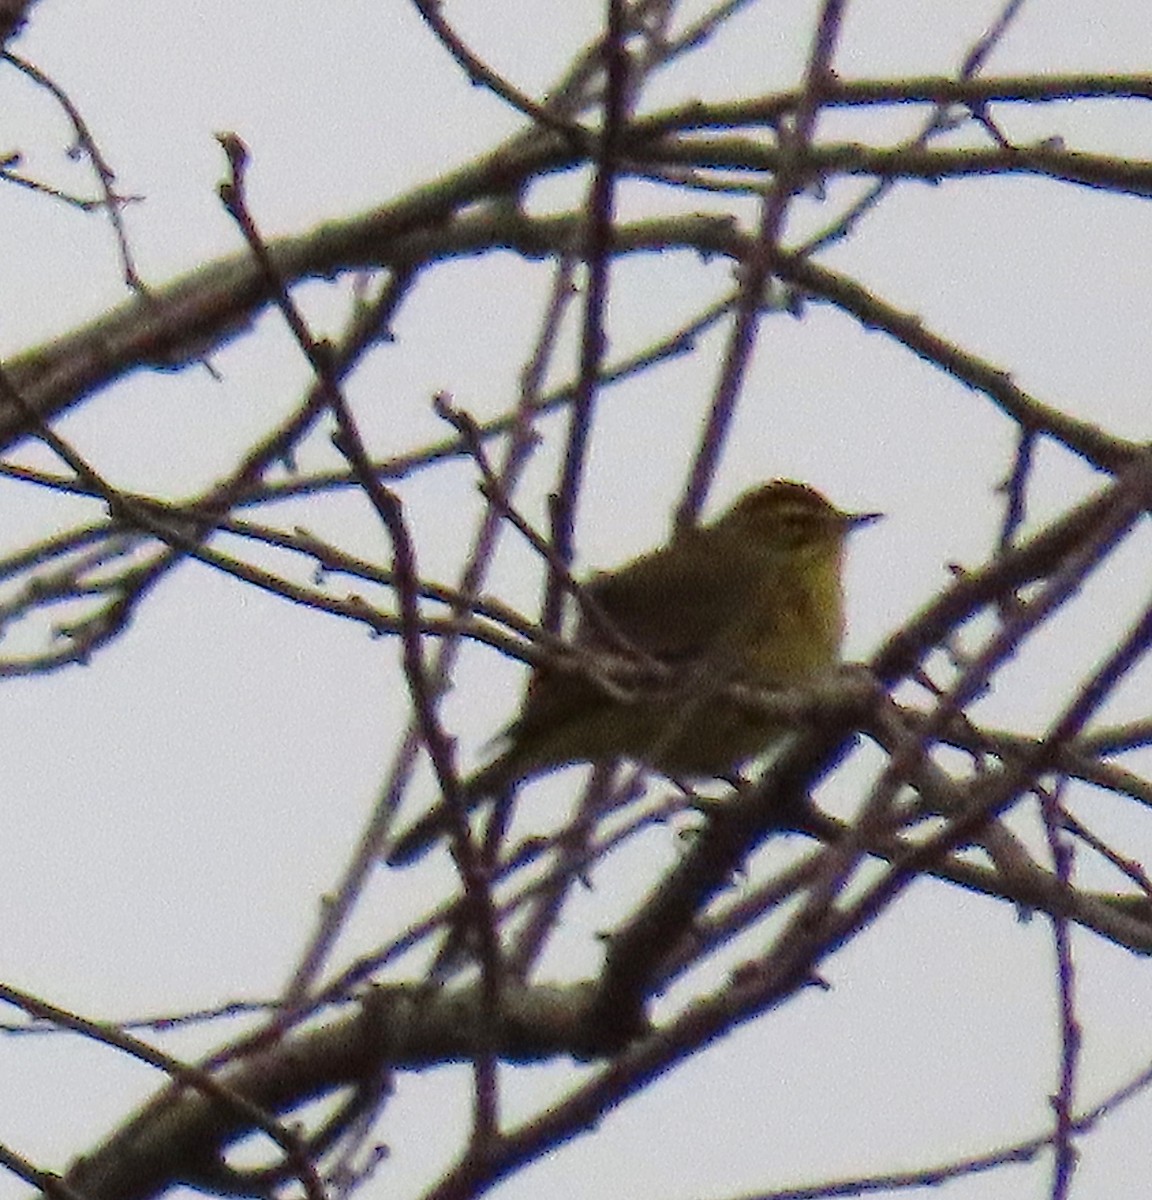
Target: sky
(177, 807)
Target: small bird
(753, 598)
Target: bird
(754, 598)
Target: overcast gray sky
(176, 809)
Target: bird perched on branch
(752, 599)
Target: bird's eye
(799, 529)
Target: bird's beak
(855, 520)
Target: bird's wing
(671, 606)
(674, 606)
(645, 602)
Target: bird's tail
(417, 840)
